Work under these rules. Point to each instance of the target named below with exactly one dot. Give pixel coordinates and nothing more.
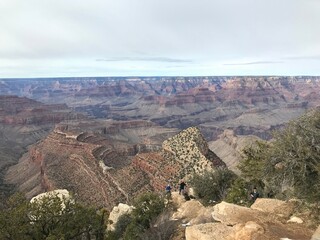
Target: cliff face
(23, 122)
(91, 159)
(251, 105)
(105, 169)
(229, 147)
(61, 162)
(181, 155)
(23, 111)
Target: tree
(14, 220)
(212, 185)
(146, 208)
(290, 163)
(239, 192)
(50, 218)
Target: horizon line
(158, 76)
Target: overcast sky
(52, 38)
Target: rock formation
(61, 161)
(229, 147)
(181, 155)
(233, 222)
(105, 165)
(116, 213)
(23, 122)
(248, 105)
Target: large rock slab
(232, 214)
(208, 231)
(248, 231)
(274, 206)
(193, 211)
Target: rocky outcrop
(208, 231)
(62, 194)
(94, 165)
(116, 213)
(275, 206)
(191, 212)
(229, 147)
(181, 155)
(23, 122)
(233, 222)
(231, 214)
(190, 150)
(61, 162)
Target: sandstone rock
(208, 231)
(274, 206)
(232, 214)
(63, 194)
(116, 213)
(189, 210)
(294, 219)
(204, 216)
(177, 199)
(248, 231)
(316, 235)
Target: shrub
(239, 192)
(48, 219)
(212, 186)
(290, 164)
(146, 208)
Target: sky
(81, 38)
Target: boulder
(232, 214)
(204, 216)
(191, 210)
(116, 213)
(249, 230)
(208, 231)
(177, 199)
(274, 206)
(63, 194)
(242, 223)
(316, 234)
(295, 219)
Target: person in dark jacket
(254, 194)
(182, 187)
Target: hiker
(168, 189)
(254, 194)
(182, 187)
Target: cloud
(157, 35)
(144, 59)
(306, 57)
(253, 63)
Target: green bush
(289, 165)
(239, 193)
(212, 186)
(48, 219)
(146, 208)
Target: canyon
(248, 105)
(107, 139)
